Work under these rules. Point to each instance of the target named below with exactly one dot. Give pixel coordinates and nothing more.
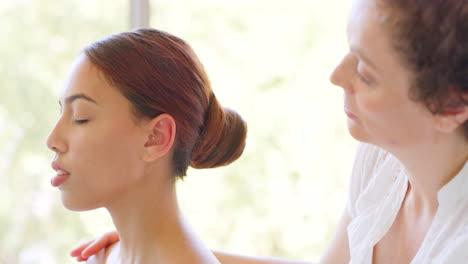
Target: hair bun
(222, 137)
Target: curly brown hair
(432, 36)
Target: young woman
(405, 83)
(136, 110)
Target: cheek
(393, 123)
(109, 143)
(378, 115)
(105, 161)
(372, 105)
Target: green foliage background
(269, 60)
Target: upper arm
(338, 248)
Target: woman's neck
(431, 166)
(151, 227)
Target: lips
(349, 113)
(61, 176)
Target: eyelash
(363, 79)
(80, 122)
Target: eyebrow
(70, 99)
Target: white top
(378, 187)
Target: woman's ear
(160, 133)
(452, 119)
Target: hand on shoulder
(98, 258)
(105, 255)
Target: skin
(376, 84)
(123, 164)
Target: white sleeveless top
(378, 186)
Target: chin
(76, 204)
(358, 132)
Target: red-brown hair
(160, 73)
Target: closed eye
(80, 122)
(363, 79)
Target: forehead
(363, 21)
(368, 35)
(84, 78)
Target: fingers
(102, 242)
(91, 247)
(77, 251)
(80, 258)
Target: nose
(55, 141)
(342, 74)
